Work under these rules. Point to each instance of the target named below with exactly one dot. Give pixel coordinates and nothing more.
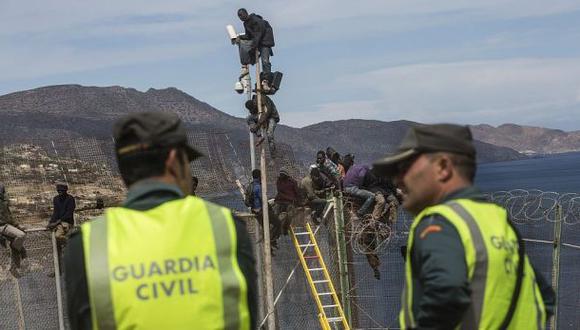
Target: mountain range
(90, 111)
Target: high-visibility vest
(491, 256)
(170, 267)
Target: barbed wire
(370, 236)
(534, 206)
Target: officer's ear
(443, 166)
(177, 166)
(173, 164)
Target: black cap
(142, 131)
(420, 139)
(61, 186)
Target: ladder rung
(325, 294)
(302, 233)
(334, 319)
(305, 245)
(320, 281)
(329, 306)
(311, 257)
(313, 269)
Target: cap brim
(192, 154)
(388, 166)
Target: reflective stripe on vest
(171, 267)
(491, 255)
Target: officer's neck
(450, 187)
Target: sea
(558, 173)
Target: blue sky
(470, 62)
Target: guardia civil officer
(465, 263)
(164, 259)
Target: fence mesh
(30, 168)
(30, 302)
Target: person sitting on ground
(253, 200)
(62, 219)
(328, 168)
(353, 182)
(313, 187)
(286, 199)
(267, 120)
(12, 231)
(194, 183)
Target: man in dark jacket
(286, 199)
(386, 201)
(62, 219)
(259, 31)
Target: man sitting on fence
(312, 188)
(62, 219)
(12, 231)
(353, 182)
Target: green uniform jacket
(442, 295)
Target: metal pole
(21, 324)
(556, 262)
(342, 257)
(265, 215)
(57, 279)
(247, 82)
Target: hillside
(49, 112)
(528, 139)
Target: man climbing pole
(267, 120)
(259, 31)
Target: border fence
(549, 222)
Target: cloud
(494, 91)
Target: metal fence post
(556, 262)
(57, 279)
(342, 257)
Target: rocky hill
(528, 139)
(44, 113)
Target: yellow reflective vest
(491, 256)
(170, 267)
